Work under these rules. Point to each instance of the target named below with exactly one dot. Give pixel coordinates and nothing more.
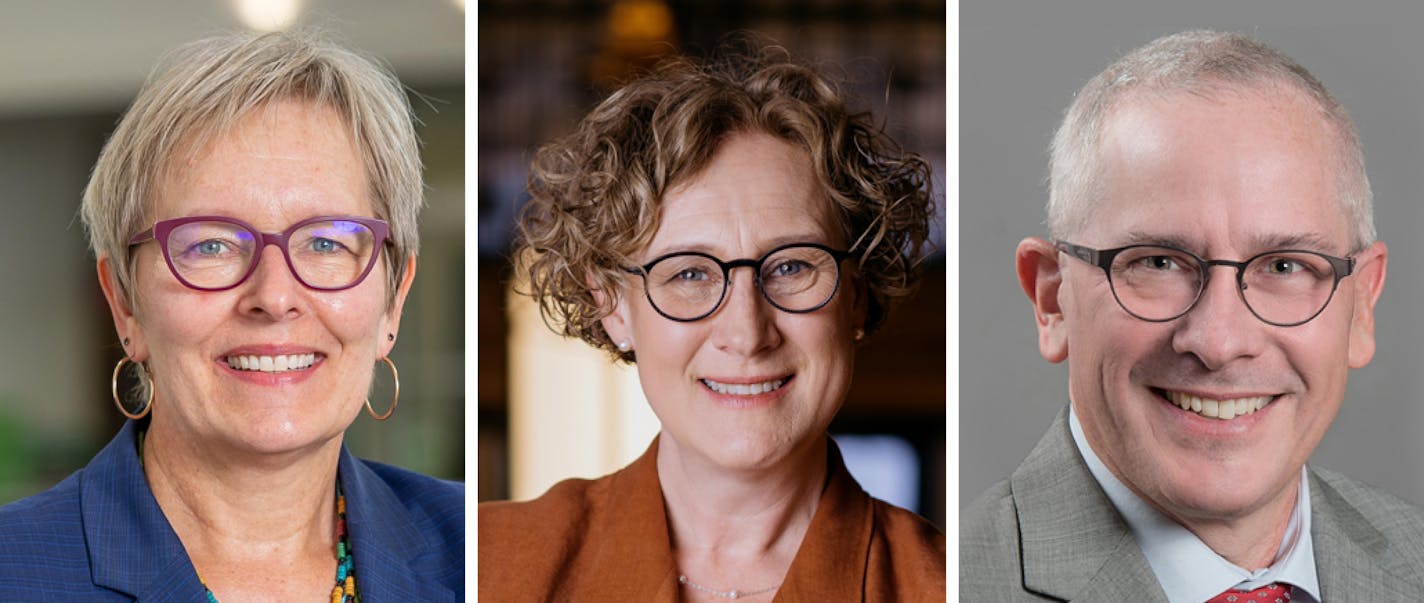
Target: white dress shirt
(1188, 570)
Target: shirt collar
(1188, 570)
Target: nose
(272, 292)
(1220, 328)
(745, 325)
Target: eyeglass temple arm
(1083, 253)
(142, 237)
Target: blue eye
(322, 245)
(690, 274)
(789, 268)
(209, 247)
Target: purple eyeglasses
(216, 253)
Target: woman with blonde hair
(254, 218)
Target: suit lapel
(633, 552)
(385, 541)
(132, 548)
(830, 565)
(1074, 543)
(1352, 557)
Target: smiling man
(1210, 278)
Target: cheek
(175, 319)
(1318, 352)
(354, 320)
(1105, 347)
(669, 347)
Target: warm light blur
(268, 15)
(637, 22)
(572, 411)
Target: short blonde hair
(596, 194)
(204, 88)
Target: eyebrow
(1307, 241)
(767, 245)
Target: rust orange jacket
(607, 540)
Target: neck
(233, 508)
(1252, 540)
(753, 514)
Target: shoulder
(42, 543)
(527, 549)
(914, 549)
(1346, 500)
(565, 510)
(433, 502)
(37, 520)
(416, 522)
(989, 534)
(55, 508)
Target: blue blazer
(100, 536)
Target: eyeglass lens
(1160, 283)
(795, 279)
(326, 254)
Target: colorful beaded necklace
(345, 589)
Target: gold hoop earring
(394, 399)
(114, 389)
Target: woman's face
(282, 163)
(757, 194)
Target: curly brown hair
(597, 193)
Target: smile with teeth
(271, 364)
(743, 389)
(1218, 409)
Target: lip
(747, 401)
(1210, 428)
(269, 379)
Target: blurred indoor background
(551, 409)
(67, 70)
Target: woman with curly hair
(734, 230)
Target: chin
(751, 452)
(284, 436)
(1211, 492)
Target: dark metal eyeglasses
(1158, 283)
(216, 253)
(689, 285)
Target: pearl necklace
(725, 594)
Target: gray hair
(1198, 62)
(201, 90)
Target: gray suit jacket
(1050, 533)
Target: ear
(618, 323)
(1040, 276)
(390, 323)
(125, 323)
(859, 290)
(1369, 276)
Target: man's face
(1226, 176)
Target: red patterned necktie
(1270, 593)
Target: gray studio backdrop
(1021, 62)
